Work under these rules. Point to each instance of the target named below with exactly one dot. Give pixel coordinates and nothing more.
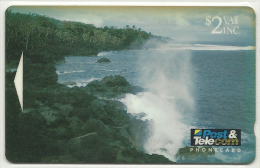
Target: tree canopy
(48, 40)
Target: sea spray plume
(168, 77)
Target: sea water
(188, 88)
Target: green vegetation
(47, 40)
(69, 125)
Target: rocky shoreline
(73, 125)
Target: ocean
(188, 87)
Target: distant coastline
(58, 123)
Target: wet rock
(64, 109)
(83, 147)
(81, 98)
(112, 87)
(61, 132)
(112, 81)
(193, 152)
(75, 124)
(103, 60)
(83, 128)
(117, 112)
(131, 155)
(94, 83)
(96, 109)
(93, 148)
(94, 125)
(27, 110)
(124, 132)
(80, 112)
(140, 131)
(139, 115)
(136, 89)
(67, 158)
(49, 114)
(54, 147)
(32, 121)
(59, 121)
(155, 158)
(125, 156)
(31, 140)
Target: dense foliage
(47, 40)
(59, 124)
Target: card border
(255, 5)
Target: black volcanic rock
(112, 81)
(103, 60)
(112, 87)
(88, 127)
(193, 152)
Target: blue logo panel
(215, 137)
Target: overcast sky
(183, 24)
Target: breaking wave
(168, 77)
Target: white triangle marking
(18, 81)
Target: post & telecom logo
(215, 137)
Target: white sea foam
(169, 78)
(110, 70)
(175, 47)
(103, 53)
(65, 72)
(84, 82)
(167, 126)
(202, 47)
